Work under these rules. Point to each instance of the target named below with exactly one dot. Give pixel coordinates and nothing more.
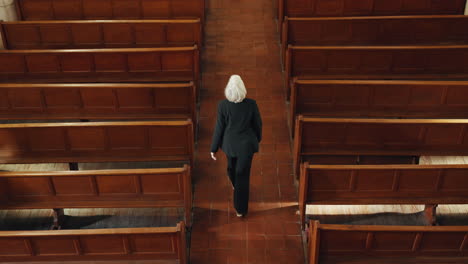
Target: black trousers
(239, 174)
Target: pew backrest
(375, 62)
(71, 34)
(98, 101)
(97, 142)
(346, 8)
(116, 244)
(379, 30)
(127, 188)
(369, 98)
(386, 244)
(109, 9)
(382, 184)
(386, 137)
(100, 65)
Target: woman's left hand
(213, 156)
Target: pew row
(97, 142)
(165, 244)
(340, 244)
(98, 101)
(383, 184)
(346, 8)
(109, 9)
(364, 98)
(345, 139)
(100, 65)
(130, 188)
(379, 30)
(377, 62)
(91, 34)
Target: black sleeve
(257, 122)
(219, 130)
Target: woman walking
(238, 132)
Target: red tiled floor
(241, 38)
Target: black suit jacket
(238, 128)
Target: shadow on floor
(417, 219)
(23, 224)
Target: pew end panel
(281, 15)
(314, 242)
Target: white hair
(235, 89)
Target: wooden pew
(344, 8)
(363, 98)
(378, 30)
(370, 141)
(128, 188)
(97, 142)
(383, 184)
(165, 244)
(340, 244)
(98, 101)
(109, 9)
(100, 65)
(71, 34)
(377, 62)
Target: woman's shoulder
(250, 101)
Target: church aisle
(241, 38)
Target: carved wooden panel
(373, 244)
(310, 8)
(379, 98)
(100, 65)
(109, 9)
(163, 243)
(101, 34)
(342, 184)
(108, 141)
(434, 62)
(123, 188)
(413, 30)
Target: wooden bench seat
(98, 101)
(340, 244)
(344, 8)
(166, 244)
(378, 30)
(377, 62)
(341, 137)
(97, 142)
(100, 65)
(109, 9)
(91, 34)
(389, 98)
(383, 184)
(128, 188)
